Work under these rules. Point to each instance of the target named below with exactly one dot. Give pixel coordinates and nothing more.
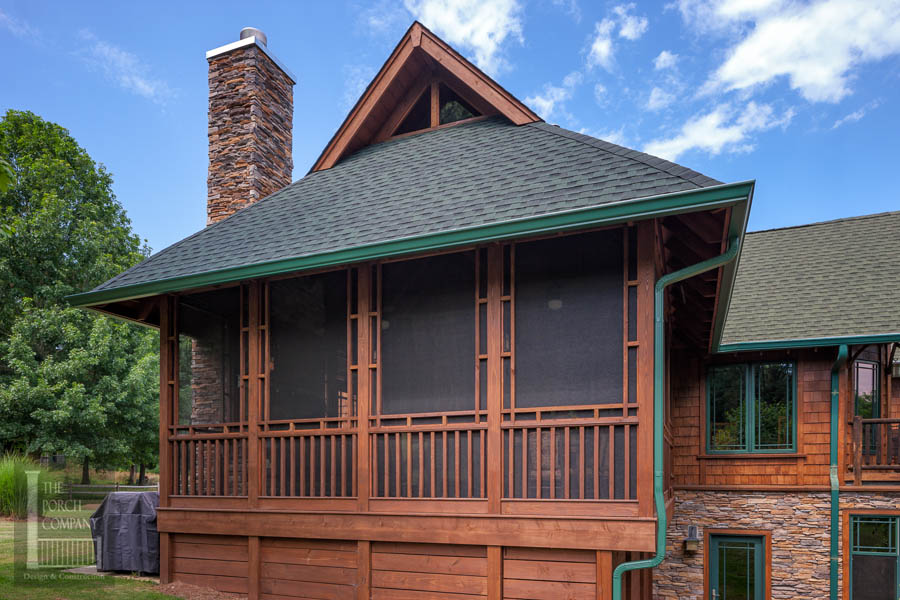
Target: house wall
(809, 466)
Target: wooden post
(857, 450)
(165, 405)
(253, 568)
(604, 574)
(363, 381)
(495, 572)
(253, 382)
(646, 273)
(494, 391)
(363, 570)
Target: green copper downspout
(839, 363)
(729, 255)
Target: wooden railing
(209, 460)
(875, 447)
(583, 459)
(416, 457)
(309, 458)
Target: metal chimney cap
(254, 32)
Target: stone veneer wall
(799, 523)
(251, 108)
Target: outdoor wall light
(692, 541)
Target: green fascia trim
(852, 340)
(740, 214)
(734, 194)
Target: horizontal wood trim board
(578, 533)
(430, 582)
(753, 488)
(547, 590)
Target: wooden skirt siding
(346, 570)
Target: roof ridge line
(828, 222)
(593, 142)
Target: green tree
(70, 381)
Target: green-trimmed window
(874, 557)
(751, 407)
(865, 383)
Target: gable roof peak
(419, 59)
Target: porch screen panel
(308, 347)
(209, 357)
(569, 320)
(428, 334)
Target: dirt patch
(193, 592)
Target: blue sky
(801, 96)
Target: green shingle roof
(824, 280)
(449, 179)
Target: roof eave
(853, 340)
(734, 194)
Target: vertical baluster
(220, 486)
(387, 464)
(293, 464)
(538, 462)
(192, 459)
(581, 463)
(612, 461)
(524, 462)
(433, 460)
(596, 470)
(398, 464)
(421, 467)
(343, 465)
(409, 473)
(245, 490)
(553, 463)
(469, 463)
(511, 464)
(302, 470)
(456, 461)
(444, 467)
(210, 470)
(312, 465)
(482, 467)
(333, 466)
(322, 466)
(567, 464)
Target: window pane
(737, 570)
(419, 116)
(866, 379)
(568, 312)
(727, 408)
(428, 334)
(774, 406)
(453, 108)
(874, 534)
(308, 351)
(209, 357)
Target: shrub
(14, 484)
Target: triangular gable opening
(423, 85)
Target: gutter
(853, 340)
(734, 246)
(839, 363)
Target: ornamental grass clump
(14, 484)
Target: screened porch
(497, 380)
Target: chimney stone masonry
(251, 109)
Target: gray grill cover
(124, 532)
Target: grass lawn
(53, 584)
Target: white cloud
(720, 130)
(613, 136)
(631, 26)
(571, 7)
(659, 99)
(856, 115)
(601, 50)
(125, 69)
(18, 27)
(482, 26)
(816, 46)
(599, 93)
(382, 16)
(553, 98)
(356, 78)
(665, 60)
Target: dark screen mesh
(569, 320)
(428, 334)
(308, 347)
(209, 357)
(874, 577)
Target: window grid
(749, 417)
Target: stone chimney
(251, 110)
